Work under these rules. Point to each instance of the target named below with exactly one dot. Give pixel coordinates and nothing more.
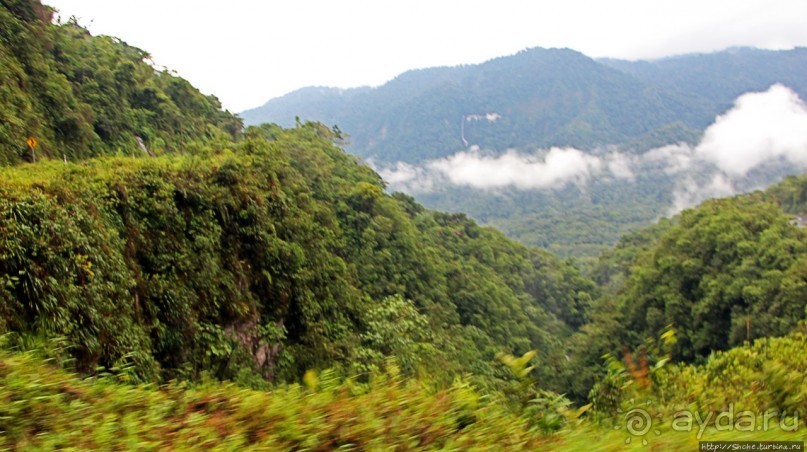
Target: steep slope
(280, 257)
(80, 96)
(540, 97)
(718, 78)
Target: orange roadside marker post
(32, 146)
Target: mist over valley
(525, 141)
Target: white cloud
(407, 178)
(689, 193)
(673, 158)
(546, 169)
(620, 165)
(760, 127)
(523, 171)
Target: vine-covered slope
(79, 95)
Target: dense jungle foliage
(259, 288)
(81, 96)
(726, 272)
(281, 255)
(259, 258)
(570, 221)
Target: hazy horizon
(249, 52)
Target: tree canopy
(80, 95)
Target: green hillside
(259, 289)
(720, 77)
(81, 96)
(544, 97)
(720, 274)
(247, 255)
(278, 256)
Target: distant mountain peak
(545, 96)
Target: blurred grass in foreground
(44, 407)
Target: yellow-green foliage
(769, 376)
(43, 407)
(760, 385)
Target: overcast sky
(248, 51)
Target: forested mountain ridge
(80, 96)
(543, 98)
(720, 77)
(538, 97)
(261, 290)
(433, 133)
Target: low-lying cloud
(549, 169)
(762, 128)
(523, 171)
